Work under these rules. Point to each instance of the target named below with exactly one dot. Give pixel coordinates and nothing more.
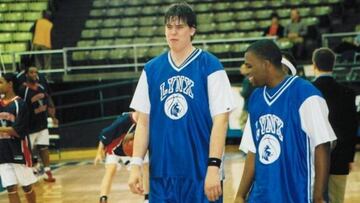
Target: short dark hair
(10, 77)
(268, 50)
(324, 59)
(182, 11)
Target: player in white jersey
(287, 134)
(183, 98)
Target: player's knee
(27, 189)
(12, 189)
(111, 169)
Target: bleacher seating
(134, 21)
(16, 20)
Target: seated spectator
(275, 29)
(295, 32)
(347, 49)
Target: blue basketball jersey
(180, 117)
(284, 142)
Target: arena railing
(100, 101)
(325, 37)
(66, 66)
(331, 40)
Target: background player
(112, 140)
(15, 156)
(287, 134)
(37, 99)
(183, 98)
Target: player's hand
(99, 157)
(55, 122)
(212, 184)
(135, 180)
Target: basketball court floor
(78, 180)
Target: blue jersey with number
(284, 163)
(180, 119)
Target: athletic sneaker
(49, 177)
(103, 199)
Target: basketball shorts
(39, 138)
(16, 174)
(178, 190)
(114, 159)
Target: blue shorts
(177, 190)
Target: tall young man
(287, 134)
(183, 98)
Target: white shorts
(114, 159)
(39, 138)
(16, 174)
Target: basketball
(128, 147)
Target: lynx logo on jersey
(269, 147)
(176, 84)
(175, 105)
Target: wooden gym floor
(79, 181)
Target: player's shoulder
(154, 62)
(304, 89)
(123, 116)
(256, 94)
(302, 84)
(22, 87)
(20, 101)
(209, 57)
(209, 62)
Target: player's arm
(141, 103)
(247, 146)
(20, 127)
(100, 154)
(51, 109)
(314, 121)
(322, 152)
(141, 142)
(247, 178)
(51, 104)
(141, 139)
(9, 130)
(217, 144)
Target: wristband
(214, 162)
(136, 161)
